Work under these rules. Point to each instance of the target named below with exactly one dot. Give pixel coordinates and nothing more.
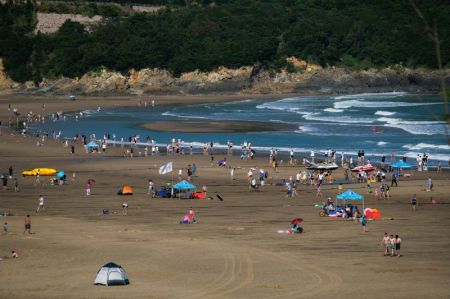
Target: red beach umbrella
(297, 221)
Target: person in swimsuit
(385, 243)
(414, 202)
(392, 245)
(27, 224)
(398, 242)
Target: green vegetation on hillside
(357, 34)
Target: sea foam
(384, 113)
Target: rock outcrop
(5, 81)
(50, 22)
(306, 79)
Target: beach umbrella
(296, 221)
(60, 174)
(350, 195)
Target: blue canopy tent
(401, 164)
(350, 195)
(183, 186)
(92, 147)
(92, 144)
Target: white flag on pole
(166, 168)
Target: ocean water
(379, 123)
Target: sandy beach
(234, 251)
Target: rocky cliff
(5, 81)
(305, 78)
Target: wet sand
(234, 251)
(214, 126)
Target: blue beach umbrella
(60, 174)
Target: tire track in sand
(324, 281)
(237, 273)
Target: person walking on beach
(151, 188)
(288, 190)
(392, 245)
(16, 185)
(124, 208)
(232, 171)
(385, 244)
(387, 195)
(88, 188)
(398, 243)
(363, 221)
(192, 215)
(430, 184)
(394, 180)
(38, 174)
(27, 224)
(319, 191)
(41, 204)
(414, 202)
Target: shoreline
(63, 104)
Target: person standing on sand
(88, 188)
(392, 244)
(27, 224)
(232, 171)
(414, 202)
(398, 243)
(430, 184)
(41, 204)
(385, 244)
(38, 174)
(124, 208)
(319, 191)
(394, 180)
(16, 185)
(363, 221)
(387, 194)
(192, 215)
(151, 188)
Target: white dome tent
(111, 274)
